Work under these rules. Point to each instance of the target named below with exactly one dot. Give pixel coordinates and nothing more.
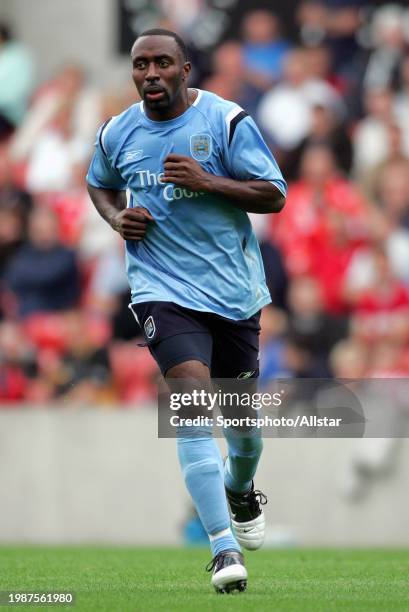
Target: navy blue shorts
(175, 334)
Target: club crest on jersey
(149, 328)
(201, 147)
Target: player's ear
(187, 67)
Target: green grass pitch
(122, 579)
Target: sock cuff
(220, 534)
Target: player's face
(159, 72)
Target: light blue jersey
(200, 251)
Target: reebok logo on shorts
(245, 375)
(149, 327)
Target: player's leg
(201, 463)
(235, 357)
(202, 468)
(244, 451)
(245, 445)
(181, 343)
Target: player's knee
(192, 370)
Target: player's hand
(132, 223)
(185, 171)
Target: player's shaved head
(162, 32)
(160, 71)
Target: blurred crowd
(333, 105)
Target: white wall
(103, 476)
(61, 30)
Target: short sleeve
(101, 174)
(249, 158)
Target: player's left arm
(256, 185)
(257, 196)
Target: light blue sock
(243, 457)
(202, 469)
(223, 541)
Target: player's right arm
(106, 188)
(130, 223)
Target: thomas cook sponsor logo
(201, 147)
(149, 328)
(146, 178)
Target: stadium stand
(336, 258)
